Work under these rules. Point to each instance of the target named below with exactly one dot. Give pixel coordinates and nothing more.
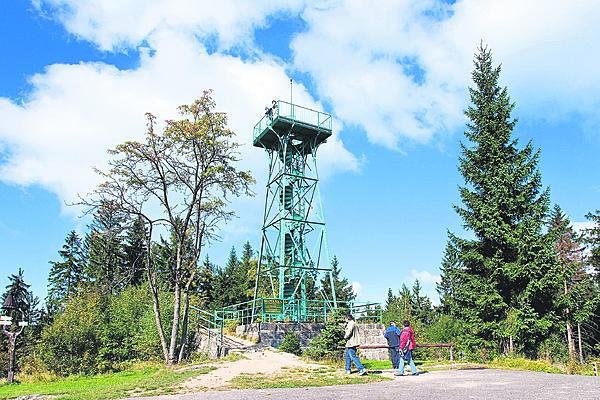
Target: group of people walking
(401, 344)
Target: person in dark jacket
(392, 335)
(407, 345)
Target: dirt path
(266, 362)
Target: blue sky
(77, 77)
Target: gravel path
(267, 362)
(446, 385)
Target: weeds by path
(310, 377)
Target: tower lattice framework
(293, 255)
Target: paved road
(446, 385)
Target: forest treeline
(521, 281)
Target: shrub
(291, 344)
(230, 326)
(101, 333)
(329, 344)
(72, 343)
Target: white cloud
(425, 277)
(581, 226)
(75, 112)
(363, 60)
(119, 24)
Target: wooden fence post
(451, 353)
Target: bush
(230, 326)
(100, 333)
(554, 349)
(72, 343)
(291, 344)
(329, 344)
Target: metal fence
(292, 112)
(279, 310)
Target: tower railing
(290, 311)
(294, 113)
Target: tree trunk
(579, 339)
(571, 341)
(184, 329)
(570, 338)
(175, 325)
(511, 347)
(157, 316)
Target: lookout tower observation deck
(301, 124)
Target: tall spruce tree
(106, 260)
(450, 273)
(21, 296)
(343, 288)
(66, 276)
(506, 275)
(247, 269)
(206, 284)
(135, 252)
(592, 238)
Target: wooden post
(595, 365)
(451, 353)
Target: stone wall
(372, 334)
(271, 334)
(208, 342)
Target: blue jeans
(395, 357)
(410, 362)
(352, 357)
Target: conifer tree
(22, 298)
(206, 284)
(135, 252)
(106, 260)
(421, 307)
(343, 288)
(66, 276)
(247, 269)
(226, 284)
(592, 238)
(506, 273)
(450, 273)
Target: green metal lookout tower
(293, 252)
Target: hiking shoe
(415, 374)
(348, 372)
(362, 372)
(397, 373)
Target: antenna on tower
(291, 102)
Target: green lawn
(146, 380)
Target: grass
(303, 377)
(518, 363)
(147, 379)
(386, 364)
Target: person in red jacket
(407, 345)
